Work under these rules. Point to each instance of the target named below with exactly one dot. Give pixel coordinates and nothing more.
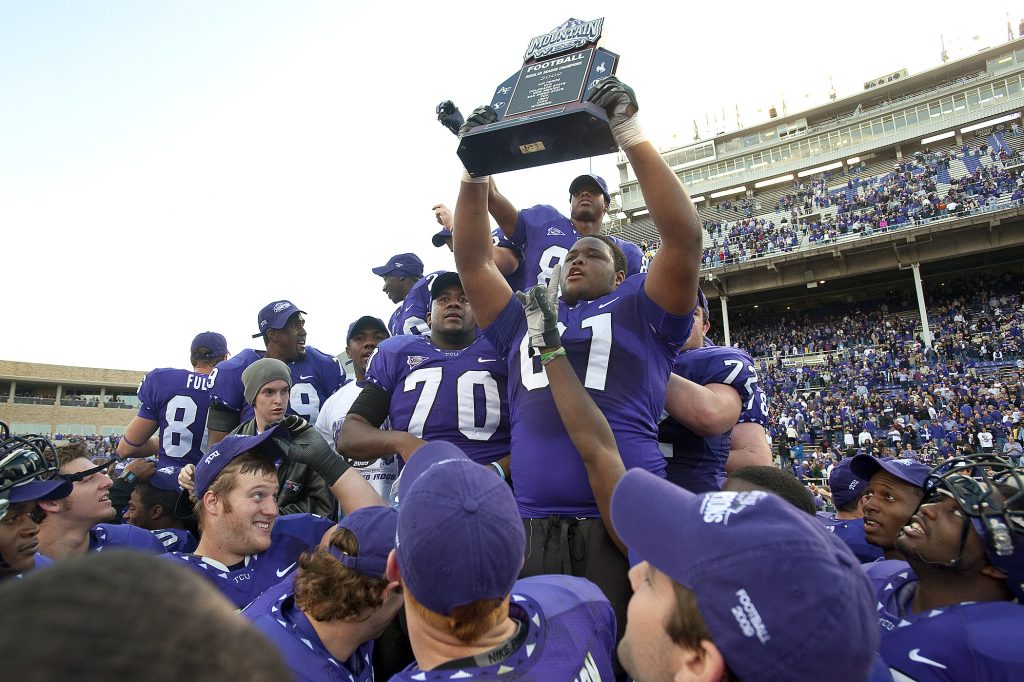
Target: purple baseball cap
(442, 235)
(702, 301)
(845, 486)
(38, 489)
(401, 265)
(776, 593)
(210, 465)
(374, 528)
(907, 470)
(460, 538)
(275, 315)
(442, 282)
(590, 179)
(166, 478)
(367, 322)
(217, 344)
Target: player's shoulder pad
(163, 371)
(559, 593)
(396, 345)
(540, 212)
(123, 534)
(883, 572)
(308, 527)
(237, 363)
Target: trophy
(542, 117)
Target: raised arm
(482, 280)
(673, 276)
(583, 420)
(501, 209)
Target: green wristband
(545, 358)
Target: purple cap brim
(210, 465)
(911, 473)
(374, 528)
(440, 237)
(53, 489)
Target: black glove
(450, 116)
(541, 306)
(616, 98)
(480, 116)
(308, 447)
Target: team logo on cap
(718, 507)
(212, 456)
(749, 619)
(853, 484)
(283, 305)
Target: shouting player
(449, 386)
(315, 375)
(955, 613)
(621, 335)
(175, 401)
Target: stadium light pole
(926, 333)
(725, 318)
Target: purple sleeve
(148, 401)
(379, 368)
(506, 330)
(673, 330)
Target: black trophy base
(573, 131)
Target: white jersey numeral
(551, 257)
(305, 402)
(597, 359)
(466, 385)
(179, 427)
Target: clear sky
(171, 167)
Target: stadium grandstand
(67, 401)
(869, 254)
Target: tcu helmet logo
(718, 507)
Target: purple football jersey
(177, 400)
(458, 396)
(410, 317)
(176, 540)
(545, 236)
(851, 531)
(516, 279)
(123, 536)
(622, 346)
(292, 535)
(314, 378)
(693, 461)
(275, 614)
(568, 633)
(966, 642)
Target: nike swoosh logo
(283, 571)
(917, 657)
(609, 302)
(303, 378)
(486, 360)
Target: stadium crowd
(536, 470)
(908, 195)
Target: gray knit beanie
(260, 373)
